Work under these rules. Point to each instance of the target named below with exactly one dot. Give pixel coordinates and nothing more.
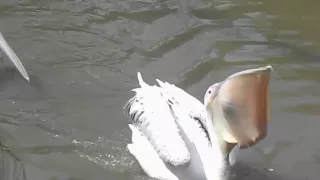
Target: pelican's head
(211, 94)
(237, 108)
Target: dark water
(83, 55)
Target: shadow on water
(11, 167)
(245, 171)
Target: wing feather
(190, 114)
(150, 112)
(190, 105)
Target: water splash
(111, 155)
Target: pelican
(13, 57)
(176, 137)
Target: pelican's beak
(13, 57)
(240, 108)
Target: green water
(83, 55)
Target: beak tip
(269, 68)
(26, 77)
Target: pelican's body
(173, 137)
(170, 139)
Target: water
(82, 57)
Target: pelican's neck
(211, 154)
(214, 134)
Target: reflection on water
(82, 57)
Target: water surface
(83, 55)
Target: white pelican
(176, 137)
(4, 46)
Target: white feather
(148, 157)
(174, 123)
(151, 114)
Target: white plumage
(171, 138)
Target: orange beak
(240, 110)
